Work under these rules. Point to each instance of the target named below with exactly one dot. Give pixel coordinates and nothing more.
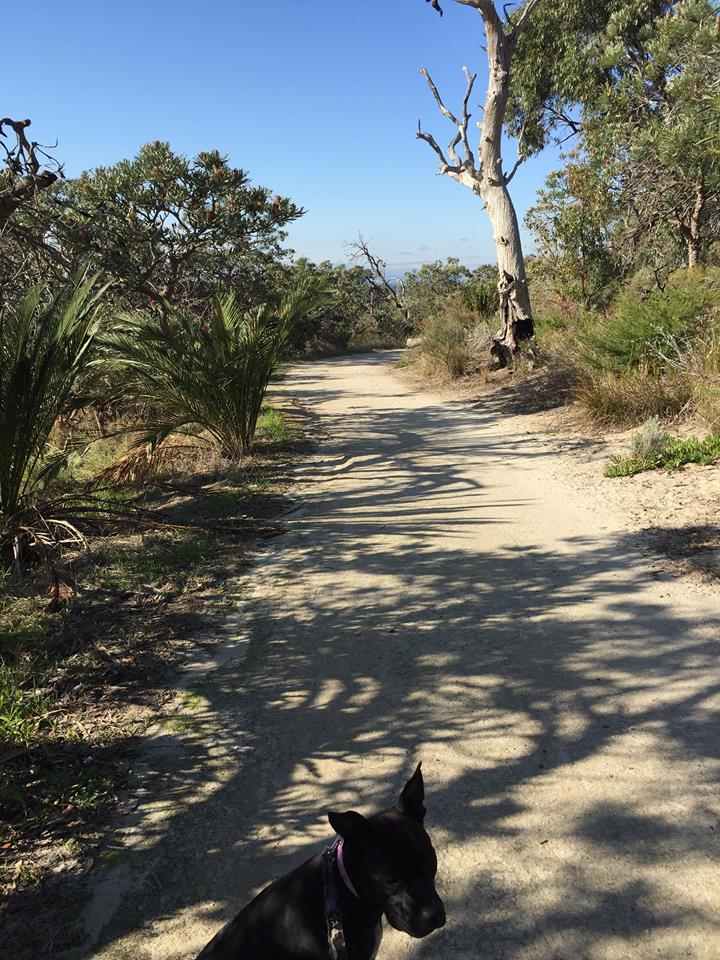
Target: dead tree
(395, 294)
(484, 174)
(27, 170)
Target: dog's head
(392, 863)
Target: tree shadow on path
(565, 710)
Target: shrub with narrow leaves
(45, 349)
(207, 378)
(653, 331)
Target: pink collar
(343, 871)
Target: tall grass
(207, 378)
(45, 348)
(632, 397)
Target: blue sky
(316, 99)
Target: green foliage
(448, 341)
(163, 557)
(430, 288)
(673, 454)
(452, 306)
(211, 376)
(45, 350)
(571, 222)
(444, 341)
(335, 321)
(651, 127)
(22, 710)
(164, 226)
(653, 331)
(568, 55)
(275, 426)
(481, 296)
(644, 85)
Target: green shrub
(703, 367)
(449, 341)
(444, 343)
(22, 710)
(209, 377)
(547, 322)
(706, 402)
(649, 441)
(45, 349)
(275, 426)
(481, 296)
(654, 331)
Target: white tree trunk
(486, 177)
(515, 307)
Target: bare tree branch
(574, 126)
(520, 160)
(23, 177)
(457, 168)
(522, 20)
(429, 139)
(443, 109)
(471, 78)
(379, 280)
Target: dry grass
(624, 399)
(77, 686)
(454, 343)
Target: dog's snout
(434, 914)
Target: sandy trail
(444, 593)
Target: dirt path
(443, 593)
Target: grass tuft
(274, 425)
(649, 441)
(612, 398)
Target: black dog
(332, 905)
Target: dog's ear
(412, 796)
(347, 824)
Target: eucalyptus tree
(574, 224)
(546, 61)
(484, 173)
(645, 186)
(655, 127)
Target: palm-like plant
(207, 378)
(45, 349)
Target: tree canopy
(163, 226)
